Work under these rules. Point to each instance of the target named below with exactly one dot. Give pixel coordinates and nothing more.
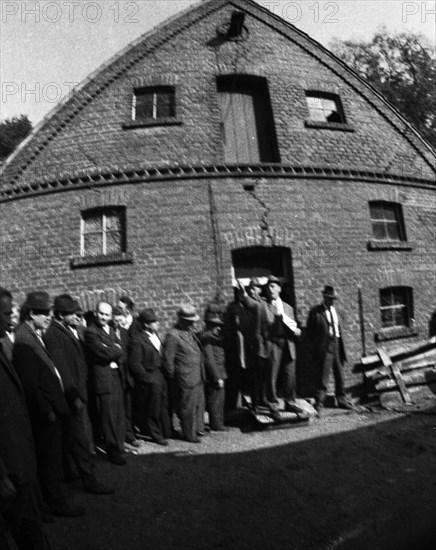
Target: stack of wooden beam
(405, 375)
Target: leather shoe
(133, 442)
(193, 440)
(294, 408)
(96, 488)
(201, 434)
(344, 404)
(162, 442)
(63, 508)
(117, 459)
(275, 415)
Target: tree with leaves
(403, 68)
(12, 132)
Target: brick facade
(186, 211)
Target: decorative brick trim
(139, 175)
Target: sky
(48, 46)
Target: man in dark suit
(183, 363)
(145, 365)
(65, 348)
(105, 356)
(325, 332)
(18, 476)
(276, 333)
(44, 391)
(122, 333)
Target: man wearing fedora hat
(215, 368)
(276, 332)
(18, 471)
(184, 366)
(44, 390)
(325, 332)
(145, 365)
(63, 343)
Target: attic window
(153, 103)
(324, 107)
(325, 111)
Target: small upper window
(324, 107)
(154, 103)
(396, 306)
(387, 221)
(103, 232)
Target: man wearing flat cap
(325, 332)
(276, 332)
(44, 390)
(183, 364)
(65, 348)
(145, 365)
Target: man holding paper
(276, 332)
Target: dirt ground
(348, 481)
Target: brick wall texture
(182, 231)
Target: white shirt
(154, 339)
(74, 331)
(290, 323)
(333, 320)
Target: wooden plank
(420, 362)
(415, 378)
(401, 353)
(395, 373)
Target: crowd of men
(74, 384)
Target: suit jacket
(37, 373)
(123, 339)
(214, 359)
(270, 327)
(144, 360)
(7, 346)
(318, 332)
(17, 455)
(68, 356)
(102, 351)
(183, 358)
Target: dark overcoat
(67, 353)
(318, 333)
(144, 360)
(37, 373)
(17, 455)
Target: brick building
(227, 143)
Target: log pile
(405, 375)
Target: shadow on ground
(367, 489)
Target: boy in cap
(214, 361)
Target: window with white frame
(387, 221)
(396, 306)
(103, 232)
(324, 107)
(154, 103)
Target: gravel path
(345, 482)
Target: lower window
(396, 306)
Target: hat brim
(328, 295)
(192, 318)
